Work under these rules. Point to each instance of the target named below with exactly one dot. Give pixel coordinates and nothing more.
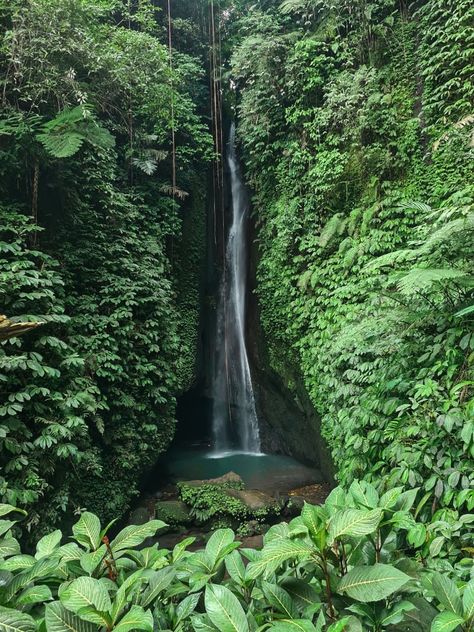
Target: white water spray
(234, 422)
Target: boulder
(140, 515)
(253, 499)
(231, 479)
(173, 512)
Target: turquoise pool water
(270, 472)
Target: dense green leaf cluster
(89, 104)
(355, 119)
(352, 564)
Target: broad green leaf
(447, 593)
(275, 553)
(314, 518)
(293, 625)
(202, 623)
(364, 494)
(90, 561)
(235, 567)
(8, 547)
(5, 509)
(186, 607)
(159, 581)
(94, 616)
(134, 535)
(446, 622)
(436, 546)
(372, 583)
(217, 544)
(301, 592)
(180, 549)
(276, 532)
(6, 525)
(224, 609)
(126, 592)
(14, 621)
(84, 592)
(70, 552)
(389, 499)
(340, 626)
(18, 562)
(406, 500)
(48, 544)
(35, 594)
(396, 613)
(87, 530)
(135, 619)
(353, 522)
(279, 599)
(59, 619)
(417, 535)
(468, 600)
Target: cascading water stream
(234, 422)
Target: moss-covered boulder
(173, 512)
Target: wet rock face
(289, 423)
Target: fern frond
(421, 207)
(170, 190)
(333, 227)
(293, 6)
(422, 279)
(448, 231)
(61, 145)
(392, 258)
(63, 136)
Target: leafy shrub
(344, 566)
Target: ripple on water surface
(259, 471)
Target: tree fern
(422, 279)
(63, 136)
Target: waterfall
(234, 419)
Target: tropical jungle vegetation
(355, 127)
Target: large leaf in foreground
(59, 619)
(353, 522)
(14, 621)
(218, 542)
(446, 622)
(224, 610)
(87, 530)
(275, 553)
(84, 592)
(134, 535)
(372, 583)
(135, 619)
(293, 625)
(447, 593)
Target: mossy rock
(173, 512)
(231, 480)
(254, 499)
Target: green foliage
(49, 402)
(323, 571)
(357, 139)
(89, 103)
(212, 501)
(63, 136)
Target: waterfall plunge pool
(272, 473)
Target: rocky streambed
(195, 508)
